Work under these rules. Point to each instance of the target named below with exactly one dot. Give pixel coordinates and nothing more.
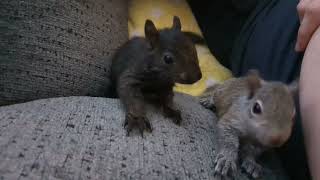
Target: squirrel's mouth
(185, 78)
(277, 141)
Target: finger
(301, 8)
(305, 32)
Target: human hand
(309, 15)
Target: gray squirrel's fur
(244, 134)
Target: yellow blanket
(161, 12)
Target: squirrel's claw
(145, 125)
(148, 126)
(141, 132)
(142, 123)
(125, 123)
(207, 102)
(174, 114)
(252, 168)
(224, 164)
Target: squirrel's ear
(254, 82)
(294, 87)
(151, 32)
(176, 23)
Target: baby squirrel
(254, 115)
(146, 69)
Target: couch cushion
(63, 138)
(58, 48)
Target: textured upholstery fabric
(51, 48)
(83, 138)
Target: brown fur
(242, 129)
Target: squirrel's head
(271, 110)
(174, 52)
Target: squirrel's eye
(257, 109)
(168, 58)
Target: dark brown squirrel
(146, 69)
(254, 116)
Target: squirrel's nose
(277, 141)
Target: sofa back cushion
(58, 48)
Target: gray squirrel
(145, 69)
(254, 115)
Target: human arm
(308, 40)
(310, 102)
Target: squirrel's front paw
(207, 102)
(225, 162)
(252, 167)
(141, 122)
(174, 114)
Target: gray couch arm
(82, 137)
